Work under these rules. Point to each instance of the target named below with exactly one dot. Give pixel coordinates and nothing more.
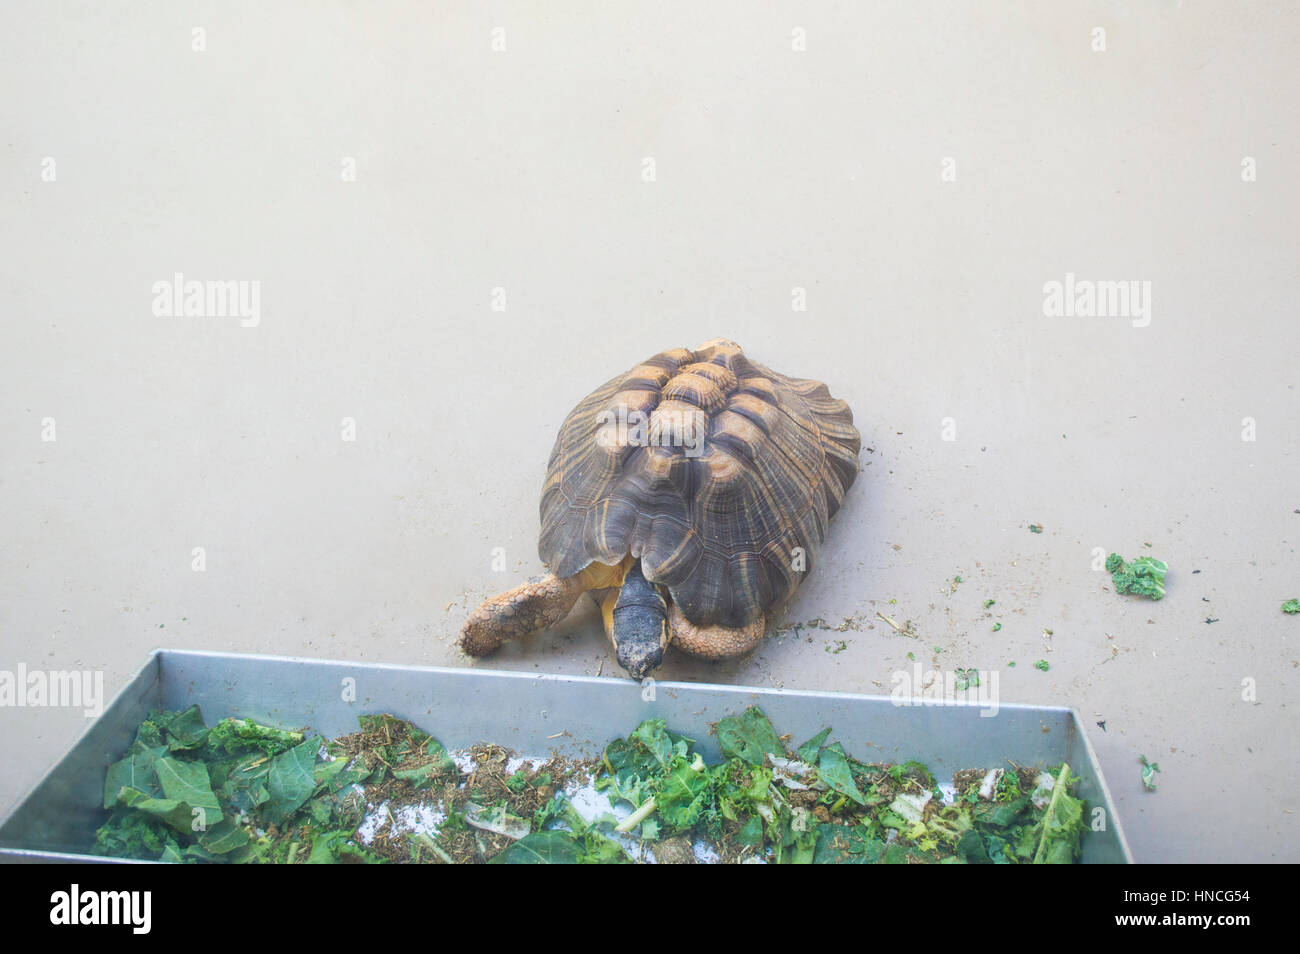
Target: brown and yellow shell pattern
(728, 486)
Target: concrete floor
(775, 169)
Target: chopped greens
(1291, 606)
(241, 792)
(1149, 770)
(1145, 576)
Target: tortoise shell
(718, 473)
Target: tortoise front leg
(714, 642)
(540, 602)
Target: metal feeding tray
(532, 714)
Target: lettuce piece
(833, 769)
(582, 844)
(749, 736)
(232, 736)
(1149, 770)
(291, 780)
(138, 770)
(681, 797)
(184, 730)
(847, 845)
(1145, 576)
(188, 782)
(809, 751)
(1061, 825)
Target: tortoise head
(640, 628)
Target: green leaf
(242, 784)
(1000, 814)
(324, 772)
(647, 751)
(138, 770)
(970, 849)
(130, 834)
(846, 845)
(184, 730)
(654, 736)
(188, 782)
(680, 797)
(179, 815)
(809, 750)
(900, 854)
(171, 854)
(749, 736)
(1149, 770)
(1061, 825)
(237, 735)
(437, 764)
(833, 769)
(543, 848)
(624, 786)
(805, 847)
(291, 779)
(1145, 576)
(223, 837)
(324, 848)
(750, 834)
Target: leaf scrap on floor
(1149, 770)
(1145, 576)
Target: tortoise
(688, 496)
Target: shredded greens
(241, 792)
(1145, 576)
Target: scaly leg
(714, 642)
(537, 604)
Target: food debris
(392, 793)
(904, 630)
(1145, 576)
(1149, 770)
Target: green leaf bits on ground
(1145, 576)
